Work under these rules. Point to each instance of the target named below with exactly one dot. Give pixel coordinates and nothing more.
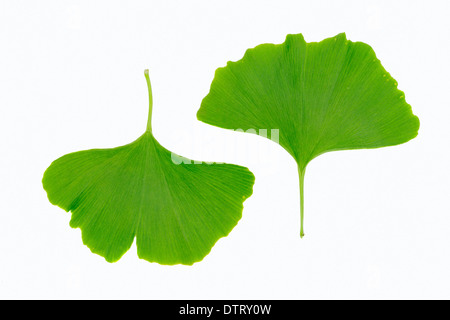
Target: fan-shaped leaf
(326, 96)
(176, 208)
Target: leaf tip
(292, 36)
(341, 35)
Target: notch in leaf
(326, 96)
(175, 207)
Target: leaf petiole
(301, 175)
(150, 99)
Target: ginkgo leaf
(326, 96)
(176, 208)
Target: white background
(71, 78)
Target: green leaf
(326, 96)
(176, 208)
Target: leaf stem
(301, 175)
(150, 98)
